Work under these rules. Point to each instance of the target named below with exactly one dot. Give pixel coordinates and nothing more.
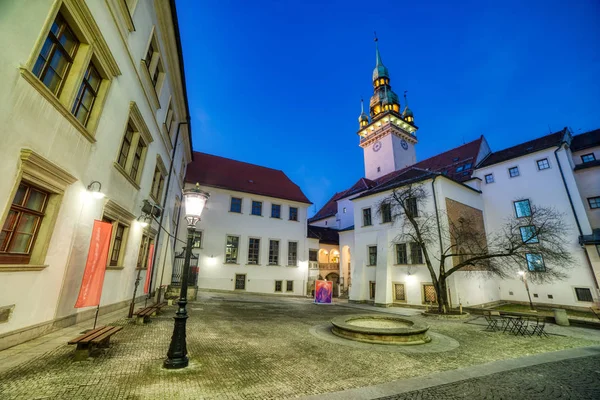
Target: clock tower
(387, 135)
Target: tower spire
(407, 114)
(378, 61)
(363, 119)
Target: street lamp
(523, 275)
(194, 201)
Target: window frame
(395, 299)
(515, 168)
(280, 282)
(295, 259)
(485, 177)
(154, 69)
(258, 205)
(372, 290)
(231, 201)
(227, 259)
(589, 289)
(147, 240)
(583, 156)
(534, 239)
(278, 207)
(253, 251)
(272, 255)
(369, 254)
(236, 280)
(198, 239)
(288, 287)
(529, 262)
(412, 207)
(117, 216)
(293, 212)
(424, 293)
(542, 160)
(366, 212)
(84, 88)
(386, 213)
(594, 202)
(397, 247)
(416, 257)
(517, 210)
(158, 184)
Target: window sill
(364, 226)
(386, 222)
(230, 263)
(126, 175)
(274, 265)
(21, 267)
(256, 215)
(371, 265)
(293, 220)
(253, 265)
(275, 217)
(235, 212)
(115, 268)
(60, 107)
(292, 266)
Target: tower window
(378, 169)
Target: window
(257, 208)
(289, 286)
(522, 208)
(401, 255)
(313, 255)
(460, 168)
(134, 172)
(543, 164)
(236, 205)
(149, 55)
(411, 207)
(240, 282)
(169, 120)
(344, 210)
(158, 181)
(88, 92)
(118, 242)
(535, 262)
(429, 296)
(489, 178)
(22, 224)
(293, 253)
(231, 249)
(513, 172)
(416, 255)
(372, 290)
(197, 241)
(275, 211)
(278, 285)
(386, 212)
(366, 217)
(584, 294)
(378, 169)
(594, 202)
(176, 208)
(528, 234)
(293, 214)
(372, 252)
(143, 254)
(399, 292)
(588, 158)
(253, 250)
(125, 146)
(468, 165)
(154, 64)
(273, 252)
(132, 153)
(56, 56)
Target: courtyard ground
(259, 347)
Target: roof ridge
(242, 162)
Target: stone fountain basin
(380, 329)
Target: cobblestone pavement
(572, 379)
(252, 347)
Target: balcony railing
(329, 266)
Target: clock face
(404, 144)
(377, 146)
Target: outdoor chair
(494, 320)
(511, 323)
(538, 328)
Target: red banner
(93, 277)
(149, 270)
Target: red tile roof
(225, 173)
(329, 209)
(586, 140)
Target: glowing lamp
(194, 200)
(95, 189)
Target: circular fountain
(381, 329)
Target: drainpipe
(164, 203)
(562, 175)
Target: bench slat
(107, 334)
(87, 336)
(145, 311)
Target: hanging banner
(323, 292)
(149, 270)
(95, 267)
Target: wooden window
(594, 202)
(372, 250)
(273, 252)
(118, 239)
(372, 290)
(240, 282)
(126, 146)
(197, 241)
(416, 255)
(22, 224)
(157, 184)
(429, 296)
(137, 159)
(401, 254)
(366, 217)
(411, 207)
(253, 250)
(144, 252)
(386, 212)
(399, 293)
(88, 92)
(278, 286)
(522, 208)
(289, 286)
(169, 120)
(584, 294)
(149, 54)
(257, 208)
(154, 63)
(543, 164)
(293, 214)
(231, 249)
(236, 205)
(275, 211)
(293, 253)
(56, 56)
(513, 172)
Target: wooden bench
(99, 337)
(143, 314)
(159, 306)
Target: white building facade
(94, 98)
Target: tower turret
(382, 90)
(363, 119)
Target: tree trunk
(441, 292)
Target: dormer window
(586, 158)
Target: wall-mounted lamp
(142, 220)
(95, 188)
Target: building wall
(328, 222)
(32, 119)
(345, 218)
(218, 222)
(588, 183)
(388, 158)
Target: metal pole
(177, 354)
(96, 319)
(528, 294)
(137, 282)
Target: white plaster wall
(28, 120)
(328, 222)
(217, 222)
(345, 219)
(543, 188)
(390, 157)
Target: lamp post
(194, 201)
(523, 275)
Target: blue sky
(278, 83)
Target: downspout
(164, 203)
(562, 175)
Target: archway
(335, 278)
(346, 268)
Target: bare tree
(533, 240)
